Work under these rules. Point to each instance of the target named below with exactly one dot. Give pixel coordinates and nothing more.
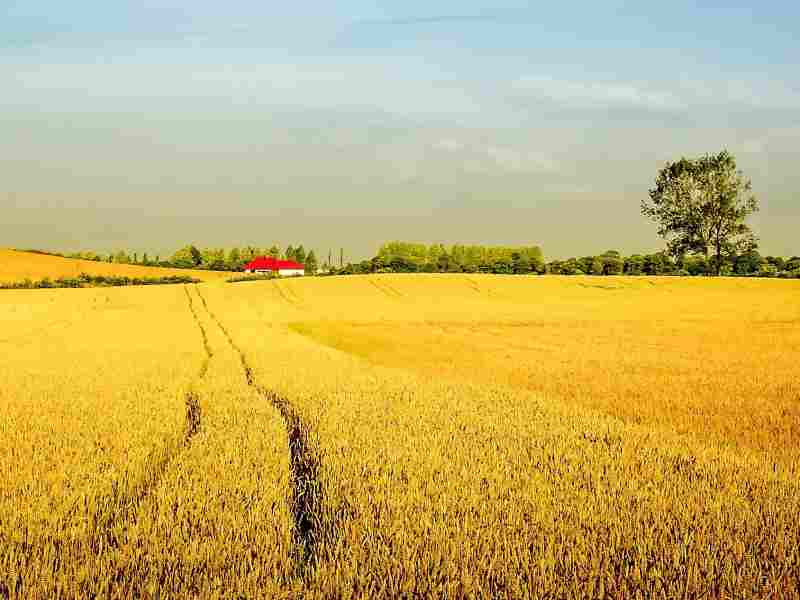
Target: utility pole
(341, 257)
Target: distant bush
(85, 280)
(254, 277)
(43, 252)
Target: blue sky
(147, 124)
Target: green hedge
(241, 278)
(85, 280)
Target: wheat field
(18, 265)
(402, 435)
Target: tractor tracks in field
(107, 528)
(192, 399)
(473, 285)
(287, 295)
(476, 286)
(386, 289)
(127, 505)
(203, 334)
(304, 461)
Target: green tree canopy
(700, 206)
(213, 259)
(437, 257)
(187, 257)
(234, 261)
(311, 263)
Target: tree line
(409, 257)
(748, 264)
(235, 259)
(209, 259)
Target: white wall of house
(291, 272)
(281, 272)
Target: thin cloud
(483, 158)
(665, 96)
(783, 140)
(448, 144)
(521, 161)
(430, 20)
(597, 94)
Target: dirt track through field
(107, 528)
(126, 507)
(386, 289)
(203, 334)
(473, 285)
(287, 294)
(304, 461)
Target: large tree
(187, 257)
(700, 206)
(234, 261)
(311, 263)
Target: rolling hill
(16, 265)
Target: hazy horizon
(149, 125)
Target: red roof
(267, 263)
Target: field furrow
(75, 468)
(201, 327)
(304, 463)
(217, 521)
(385, 289)
(286, 293)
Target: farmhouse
(267, 264)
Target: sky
(147, 125)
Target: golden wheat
(16, 266)
(432, 486)
(391, 436)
